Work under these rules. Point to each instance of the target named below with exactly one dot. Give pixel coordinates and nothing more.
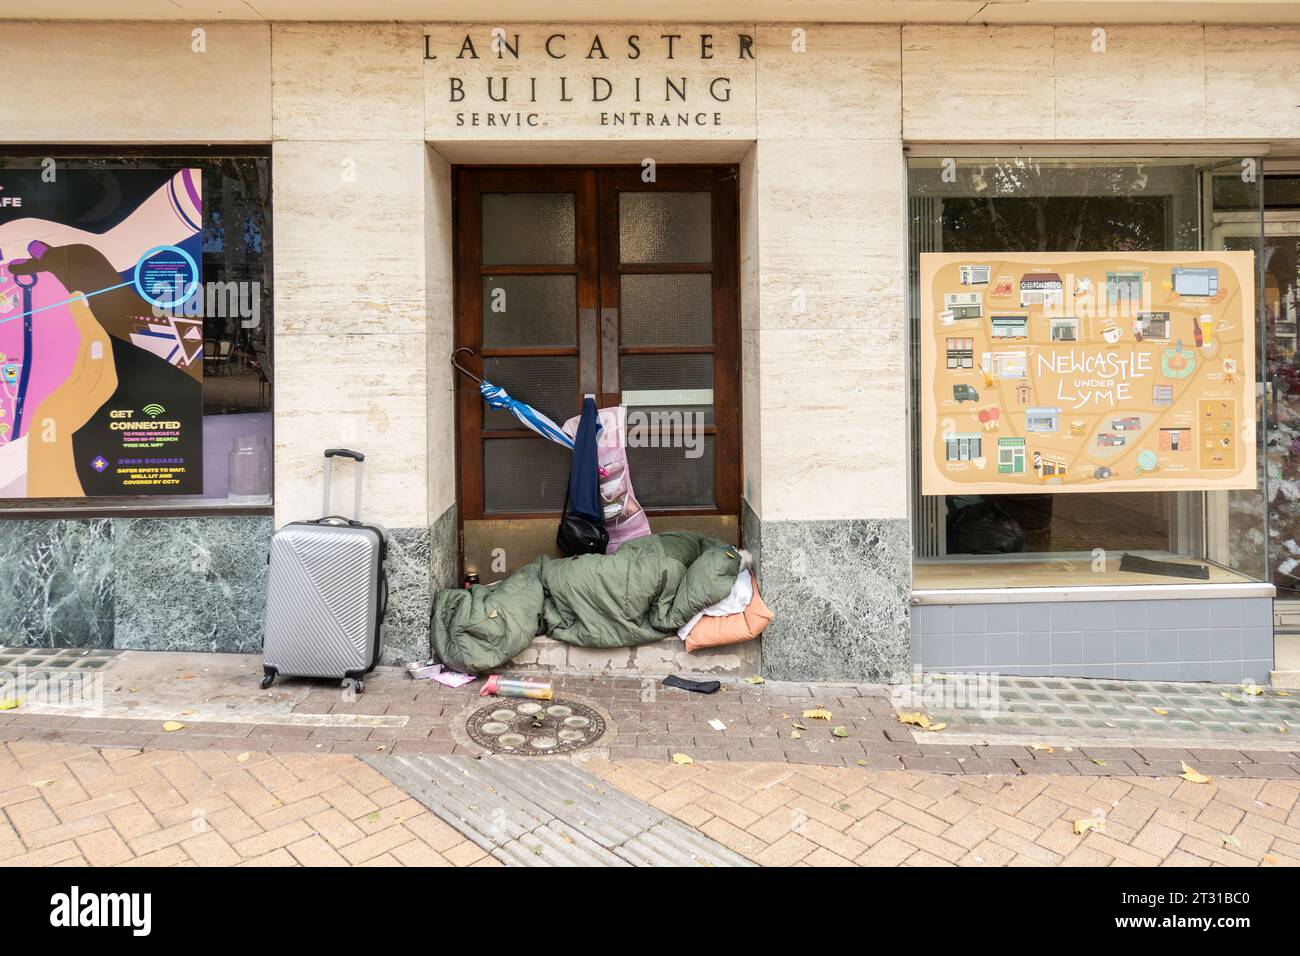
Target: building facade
(384, 182)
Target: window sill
(189, 510)
(1132, 592)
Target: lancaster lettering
(494, 79)
(561, 46)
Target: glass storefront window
(170, 252)
(1056, 205)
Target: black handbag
(580, 535)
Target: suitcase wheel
(268, 677)
(358, 685)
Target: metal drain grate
(535, 728)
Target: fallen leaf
(187, 677)
(1085, 824)
(840, 732)
(243, 758)
(1193, 776)
(755, 679)
(1160, 711)
(1269, 858)
(187, 713)
(41, 783)
(1253, 690)
(373, 817)
(798, 726)
(717, 724)
(1282, 693)
(818, 713)
(795, 735)
(1100, 763)
(1232, 841)
(785, 716)
(918, 719)
(862, 763)
(9, 703)
(172, 725)
(682, 758)
(1043, 747)
(1283, 729)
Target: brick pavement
(285, 787)
(75, 805)
(651, 722)
(783, 815)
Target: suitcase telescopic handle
(330, 455)
(344, 453)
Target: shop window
(961, 353)
(1009, 326)
(1011, 456)
(1045, 440)
(135, 332)
(964, 447)
(1065, 330)
(591, 281)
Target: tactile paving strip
(1108, 708)
(550, 813)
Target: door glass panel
(530, 311)
(667, 309)
(1281, 303)
(524, 474)
(528, 229)
(681, 384)
(673, 477)
(665, 227)
(548, 383)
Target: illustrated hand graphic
(51, 467)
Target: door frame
(598, 350)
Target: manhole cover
(535, 727)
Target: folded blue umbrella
(498, 397)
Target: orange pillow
(730, 628)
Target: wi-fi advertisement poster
(101, 370)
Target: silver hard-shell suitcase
(326, 594)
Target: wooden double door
(620, 283)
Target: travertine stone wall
(363, 231)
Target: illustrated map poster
(101, 339)
(1087, 372)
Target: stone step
(1285, 680)
(668, 656)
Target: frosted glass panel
(667, 309)
(673, 477)
(548, 383)
(665, 227)
(524, 474)
(534, 229)
(669, 383)
(530, 311)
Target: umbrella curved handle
(462, 369)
